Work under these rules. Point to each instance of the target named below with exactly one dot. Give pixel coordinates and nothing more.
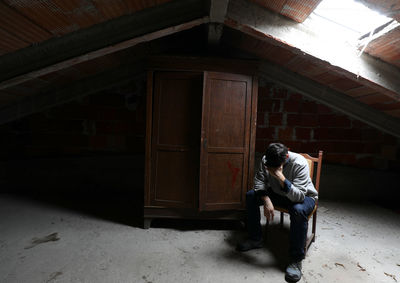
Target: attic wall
(91, 145)
(95, 145)
(308, 126)
(359, 162)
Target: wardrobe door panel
(225, 141)
(176, 139)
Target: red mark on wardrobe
(234, 171)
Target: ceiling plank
(331, 98)
(100, 39)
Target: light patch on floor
(355, 243)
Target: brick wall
(307, 126)
(109, 122)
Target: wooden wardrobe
(200, 140)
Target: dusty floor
(42, 242)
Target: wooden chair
(312, 162)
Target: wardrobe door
(175, 152)
(225, 138)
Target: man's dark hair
(275, 155)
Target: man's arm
(295, 190)
(260, 179)
(268, 208)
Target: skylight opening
(351, 15)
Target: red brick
(269, 105)
(292, 106)
(322, 109)
(391, 140)
(334, 121)
(372, 147)
(309, 107)
(98, 142)
(348, 146)
(275, 119)
(261, 118)
(263, 104)
(286, 134)
(359, 125)
(265, 133)
(263, 92)
(302, 120)
(260, 145)
(313, 147)
(296, 96)
(279, 93)
(370, 134)
(336, 134)
(294, 146)
(346, 159)
(303, 133)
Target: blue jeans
(298, 219)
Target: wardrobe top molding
(200, 64)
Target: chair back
(312, 162)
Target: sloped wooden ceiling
(24, 22)
(297, 10)
(52, 49)
(386, 47)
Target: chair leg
(311, 238)
(282, 217)
(314, 225)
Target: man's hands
(277, 173)
(268, 208)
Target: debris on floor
(339, 264)
(49, 238)
(391, 275)
(361, 268)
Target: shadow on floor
(196, 224)
(276, 242)
(125, 209)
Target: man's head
(275, 155)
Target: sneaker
(293, 272)
(249, 245)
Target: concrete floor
(53, 242)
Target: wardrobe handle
(205, 144)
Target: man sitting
(283, 179)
